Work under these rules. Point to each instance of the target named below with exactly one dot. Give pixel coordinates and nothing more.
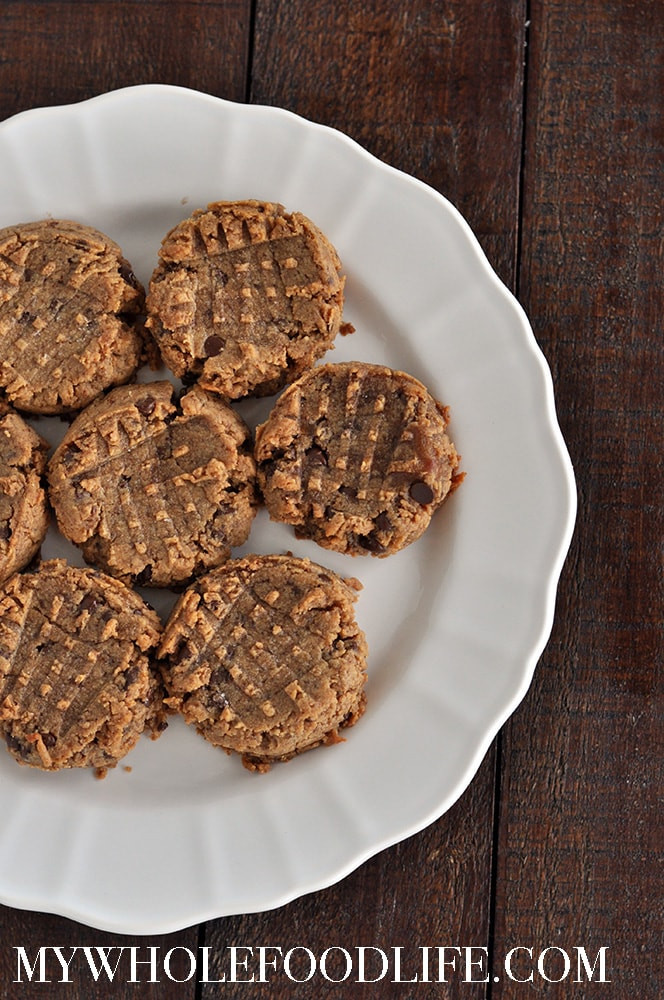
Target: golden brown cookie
(24, 513)
(264, 657)
(356, 457)
(245, 297)
(77, 687)
(70, 307)
(152, 487)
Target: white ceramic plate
(455, 623)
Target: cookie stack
(157, 484)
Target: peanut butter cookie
(356, 457)
(76, 685)
(264, 657)
(70, 309)
(155, 488)
(23, 506)
(245, 297)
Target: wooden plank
(402, 81)
(148, 971)
(581, 835)
(61, 52)
(56, 53)
(430, 890)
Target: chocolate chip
(421, 493)
(370, 543)
(127, 274)
(80, 493)
(383, 522)
(131, 676)
(70, 453)
(316, 455)
(144, 576)
(224, 508)
(217, 530)
(219, 700)
(5, 531)
(183, 652)
(213, 346)
(88, 603)
(218, 682)
(349, 492)
(146, 405)
(16, 746)
(49, 740)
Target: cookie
(356, 457)
(264, 657)
(245, 297)
(76, 684)
(24, 513)
(69, 311)
(152, 487)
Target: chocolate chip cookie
(70, 309)
(23, 506)
(152, 487)
(76, 684)
(356, 457)
(264, 657)
(245, 297)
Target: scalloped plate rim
(95, 915)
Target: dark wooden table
(542, 122)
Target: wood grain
(430, 890)
(32, 931)
(57, 53)
(434, 89)
(384, 78)
(61, 52)
(554, 153)
(580, 820)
